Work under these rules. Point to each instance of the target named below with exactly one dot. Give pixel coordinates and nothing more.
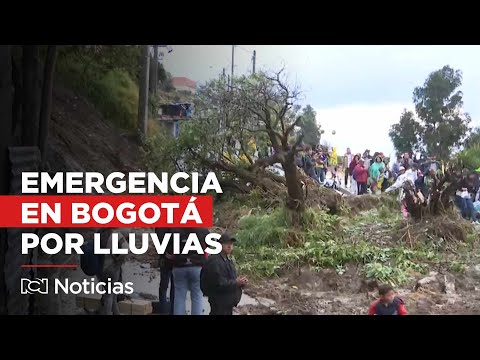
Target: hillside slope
(81, 139)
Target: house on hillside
(184, 84)
(170, 115)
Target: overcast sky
(358, 91)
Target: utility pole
(233, 64)
(143, 93)
(155, 69)
(254, 59)
(223, 76)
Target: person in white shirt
(402, 178)
(346, 162)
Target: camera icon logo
(37, 286)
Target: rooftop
(183, 81)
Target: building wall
(184, 88)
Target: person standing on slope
(352, 166)
(219, 279)
(347, 160)
(375, 171)
(361, 176)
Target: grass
(113, 92)
(263, 249)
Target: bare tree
(234, 128)
(269, 103)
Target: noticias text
(87, 287)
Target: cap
(226, 237)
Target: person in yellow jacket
(333, 162)
(334, 157)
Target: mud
(328, 293)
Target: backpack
(192, 258)
(91, 263)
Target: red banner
(84, 211)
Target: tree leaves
(440, 125)
(406, 133)
(309, 126)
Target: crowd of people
(317, 161)
(214, 277)
(375, 174)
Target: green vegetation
(107, 75)
(470, 157)
(372, 239)
(112, 90)
(439, 123)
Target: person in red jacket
(388, 303)
(353, 164)
(360, 173)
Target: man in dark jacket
(220, 281)
(186, 271)
(309, 164)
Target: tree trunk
(17, 79)
(296, 201)
(143, 94)
(31, 95)
(45, 111)
(150, 77)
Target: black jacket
(163, 262)
(221, 281)
(192, 258)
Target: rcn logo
(39, 286)
(87, 287)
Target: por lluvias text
(72, 242)
(104, 213)
(122, 213)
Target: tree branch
(263, 163)
(249, 158)
(291, 127)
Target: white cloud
(360, 126)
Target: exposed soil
(327, 293)
(81, 139)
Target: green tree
(470, 156)
(309, 126)
(473, 138)
(405, 135)
(439, 107)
